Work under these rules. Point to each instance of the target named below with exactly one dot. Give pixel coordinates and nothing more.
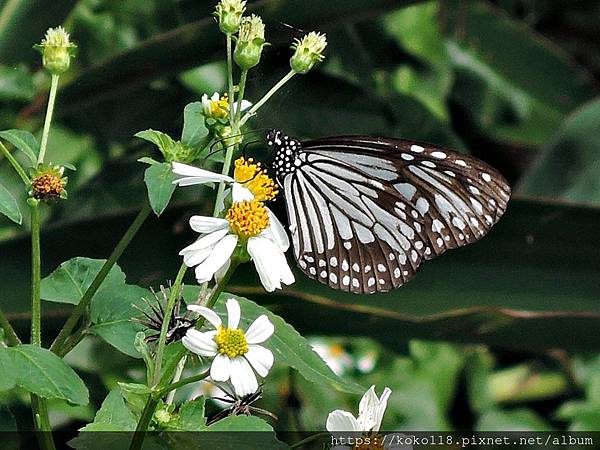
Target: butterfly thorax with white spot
(287, 156)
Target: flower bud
(229, 15)
(57, 50)
(307, 52)
(250, 42)
(48, 183)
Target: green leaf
(72, 278)
(569, 165)
(24, 141)
(288, 346)
(515, 420)
(41, 372)
(159, 181)
(115, 412)
(190, 416)
(7, 381)
(134, 388)
(236, 432)
(112, 313)
(163, 141)
(194, 129)
(9, 206)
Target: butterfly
(365, 212)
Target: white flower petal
(204, 225)
(340, 420)
(195, 257)
(220, 254)
(239, 193)
(269, 262)
(195, 175)
(199, 343)
(382, 405)
(277, 232)
(207, 313)
(367, 410)
(242, 377)
(245, 105)
(260, 330)
(220, 274)
(233, 313)
(221, 368)
(205, 241)
(260, 358)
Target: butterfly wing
(364, 212)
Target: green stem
(48, 120)
(41, 421)
(79, 310)
(173, 295)
(142, 426)
(180, 383)
(230, 94)
(266, 97)
(36, 275)
(238, 112)
(9, 332)
(13, 162)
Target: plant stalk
(36, 276)
(176, 385)
(41, 421)
(13, 162)
(230, 91)
(48, 120)
(142, 426)
(266, 97)
(58, 344)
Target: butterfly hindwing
(364, 212)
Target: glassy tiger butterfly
(365, 212)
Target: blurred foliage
(514, 82)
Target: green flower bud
(163, 416)
(48, 183)
(307, 52)
(250, 42)
(229, 15)
(57, 50)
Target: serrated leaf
(159, 181)
(115, 412)
(7, 380)
(72, 278)
(112, 312)
(9, 206)
(41, 372)
(287, 345)
(191, 416)
(23, 141)
(148, 160)
(194, 129)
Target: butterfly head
(285, 152)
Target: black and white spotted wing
(365, 212)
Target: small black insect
(239, 405)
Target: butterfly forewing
(364, 212)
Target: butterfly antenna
(212, 149)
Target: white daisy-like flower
(217, 106)
(237, 354)
(366, 425)
(333, 354)
(247, 222)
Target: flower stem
(49, 111)
(13, 162)
(41, 421)
(230, 94)
(266, 97)
(238, 111)
(176, 385)
(173, 295)
(142, 426)
(59, 343)
(36, 276)
(9, 332)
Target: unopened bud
(229, 15)
(48, 183)
(57, 50)
(250, 42)
(307, 52)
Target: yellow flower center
(336, 350)
(253, 176)
(47, 185)
(219, 109)
(370, 442)
(248, 218)
(231, 343)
